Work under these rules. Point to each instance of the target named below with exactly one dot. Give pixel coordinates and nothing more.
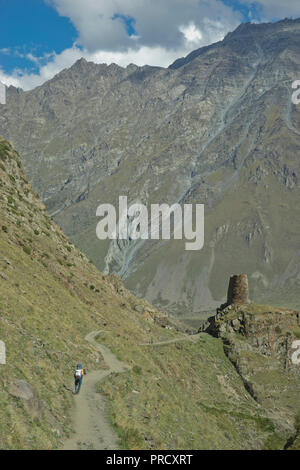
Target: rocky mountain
(180, 391)
(217, 127)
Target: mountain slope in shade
(218, 127)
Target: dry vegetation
(183, 395)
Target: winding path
(92, 428)
(192, 338)
(91, 424)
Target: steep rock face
(260, 343)
(217, 127)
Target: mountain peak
(264, 28)
(80, 63)
(260, 32)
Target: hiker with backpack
(78, 376)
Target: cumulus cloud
(162, 31)
(153, 32)
(157, 23)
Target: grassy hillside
(184, 395)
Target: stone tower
(238, 289)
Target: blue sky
(37, 30)
(40, 37)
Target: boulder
(26, 393)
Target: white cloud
(57, 62)
(157, 22)
(9, 79)
(165, 31)
(5, 50)
(191, 33)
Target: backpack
(78, 373)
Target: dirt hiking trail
(92, 428)
(192, 338)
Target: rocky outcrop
(25, 392)
(259, 342)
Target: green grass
(184, 395)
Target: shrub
(137, 370)
(10, 200)
(26, 250)
(4, 228)
(297, 333)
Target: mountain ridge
(222, 124)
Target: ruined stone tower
(238, 289)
